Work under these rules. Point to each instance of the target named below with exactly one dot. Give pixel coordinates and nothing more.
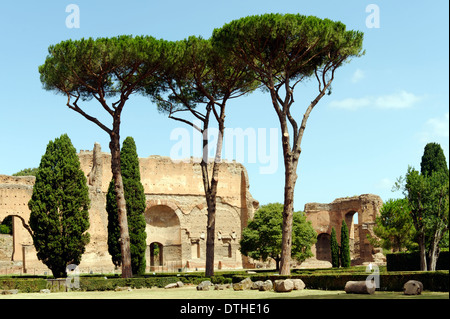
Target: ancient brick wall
(176, 212)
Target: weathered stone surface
(44, 291)
(221, 286)
(257, 284)
(172, 285)
(266, 286)
(204, 285)
(413, 287)
(122, 289)
(10, 292)
(243, 285)
(359, 287)
(298, 284)
(283, 285)
(170, 187)
(324, 217)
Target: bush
(410, 261)
(432, 280)
(23, 284)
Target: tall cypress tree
(135, 203)
(334, 249)
(433, 160)
(345, 245)
(59, 206)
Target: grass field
(189, 292)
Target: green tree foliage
(334, 249)
(284, 50)
(345, 245)
(261, 239)
(429, 201)
(197, 82)
(428, 198)
(135, 203)
(26, 172)
(59, 217)
(109, 70)
(433, 160)
(394, 226)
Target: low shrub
(432, 280)
(23, 284)
(313, 279)
(410, 261)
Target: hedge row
(432, 281)
(394, 281)
(96, 283)
(410, 261)
(23, 284)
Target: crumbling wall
(173, 187)
(324, 217)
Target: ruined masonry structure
(176, 216)
(325, 216)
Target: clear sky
(383, 109)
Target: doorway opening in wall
(6, 245)
(195, 249)
(352, 221)
(323, 247)
(156, 256)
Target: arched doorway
(156, 256)
(163, 238)
(323, 249)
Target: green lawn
(190, 292)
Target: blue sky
(384, 108)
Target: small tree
(334, 249)
(394, 226)
(345, 245)
(135, 203)
(427, 193)
(261, 239)
(59, 205)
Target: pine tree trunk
(211, 191)
(114, 146)
(210, 237)
(288, 210)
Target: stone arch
(21, 235)
(163, 228)
(323, 248)
(366, 207)
(156, 255)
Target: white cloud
(358, 76)
(398, 100)
(351, 104)
(435, 128)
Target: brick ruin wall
(176, 214)
(324, 217)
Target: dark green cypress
(433, 160)
(345, 245)
(135, 203)
(334, 249)
(59, 206)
